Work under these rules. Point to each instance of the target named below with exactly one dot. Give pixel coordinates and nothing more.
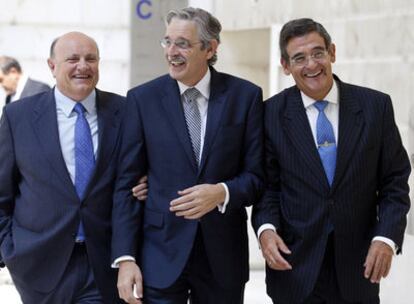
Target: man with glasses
(334, 209)
(197, 134)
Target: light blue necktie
(193, 120)
(84, 158)
(326, 141)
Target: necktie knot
(79, 108)
(321, 105)
(191, 94)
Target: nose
(172, 49)
(82, 64)
(310, 62)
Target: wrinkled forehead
(179, 28)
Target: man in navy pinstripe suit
(329, 240)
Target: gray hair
(299, 28)
(7, 63)
(208, 26)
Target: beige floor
(398, 288)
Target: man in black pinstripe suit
(329, 240)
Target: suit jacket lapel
(46, 129)
(108, 131)
(216, 104)
(349, 129)
(171, 102)
(297, 127)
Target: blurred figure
(57, 168)
(334, 210)
(15, 83)
(410, 226)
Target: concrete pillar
(147, 29)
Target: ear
(212, 48)
(51, 65)
(285, 65)
(332, 52)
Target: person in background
(15, 83)
(334, 210)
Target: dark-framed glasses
(301, 60)
(180, 43)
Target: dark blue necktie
(326, 141)
(84, 158)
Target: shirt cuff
(387, 241)
(263, 228)
(123, 258)
(222, 207)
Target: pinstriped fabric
(193, 120)
(368, 196)
(84, 158)
(326, 141)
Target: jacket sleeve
(246, 188)
(393, 189)
(8, 181)
(127, 210)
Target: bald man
(57, 168)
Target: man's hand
(378, 262)
(196, 201)
(140, 191)
(129, 275)
(272, 245)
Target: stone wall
(27, 29)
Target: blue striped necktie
(84, 158)
(193, 120)
(326, 141)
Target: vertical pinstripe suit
(368, 197)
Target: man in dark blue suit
(16, 84)
(197, 134)
(334, 210)
(55, 199)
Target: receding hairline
(57, 39)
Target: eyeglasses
(181, 43)
(302, 60)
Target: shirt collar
(332, 96)
(67, 104)
(21, 83)
(203, 86)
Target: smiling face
(187, 65)
(75, 65)
(315, 77)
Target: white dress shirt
(21, 83)
(332, 113)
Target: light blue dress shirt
(66, 119)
